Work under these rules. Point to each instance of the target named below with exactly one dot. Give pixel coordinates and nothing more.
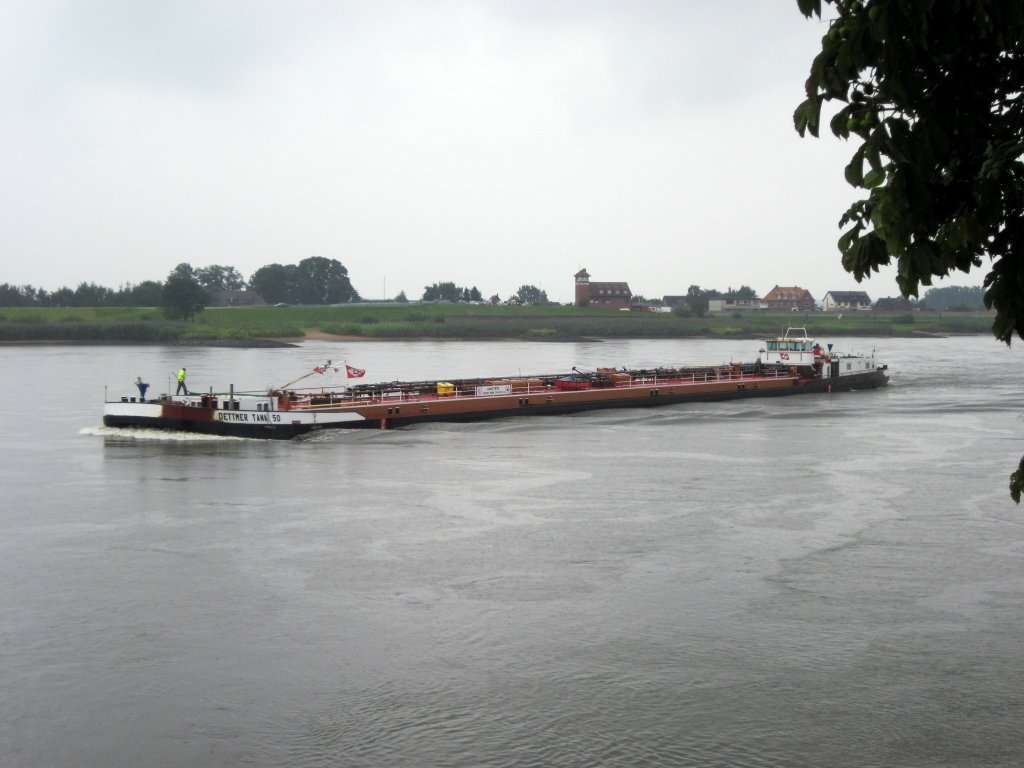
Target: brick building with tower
(604, 295)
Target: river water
(824, 580)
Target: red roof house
(789, 299)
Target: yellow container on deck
(445, 388)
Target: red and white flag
(325, 368)
(354, 373)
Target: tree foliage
(697, 301)
(316, 280)
(18, 296)
(183, 297)
(145, 294)
(451, 292)
(932, 92)
(531, 294)
(320, 280)
(93, 295)
(441, 292)
(640, 300)
(957, 297)
(216, 278)
(275, 283)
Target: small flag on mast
(354, 373)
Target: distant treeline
(146, 294)
(954, 298)
(316, 280)
(319, 280)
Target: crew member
(181, 383)
(143, 386)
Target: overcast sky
(486, 143)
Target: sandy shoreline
(314, 334)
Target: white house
(734, 304)
(841, 301)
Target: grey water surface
(808, 581)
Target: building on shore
(730, 303)
(604, 295)
(842, 301)
(239, 299)
(789, 299)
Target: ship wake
(162, 435)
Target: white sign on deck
(494, 389)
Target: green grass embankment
(450, 321)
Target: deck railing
(427, 390)
(314, 398)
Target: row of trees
(316, 280)
(450, 292)
(145, 294)
(698, 299)
(956, 298)
(211, 279)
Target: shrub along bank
(450, 321)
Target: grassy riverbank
(449, 321)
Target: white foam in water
(153, 434)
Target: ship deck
(400, 393)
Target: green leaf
(809, 7)
(855, 170)
(874, 178)
(840, 123)
(849, 237)
(878, 254)
(844, 61)
(800, 118)
(878, 221)
(922, 257)
(865, 256)
(808, 115)
(1017, 482)
(901, 144)
(871, 150)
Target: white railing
(402, 396)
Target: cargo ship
(790, 364)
